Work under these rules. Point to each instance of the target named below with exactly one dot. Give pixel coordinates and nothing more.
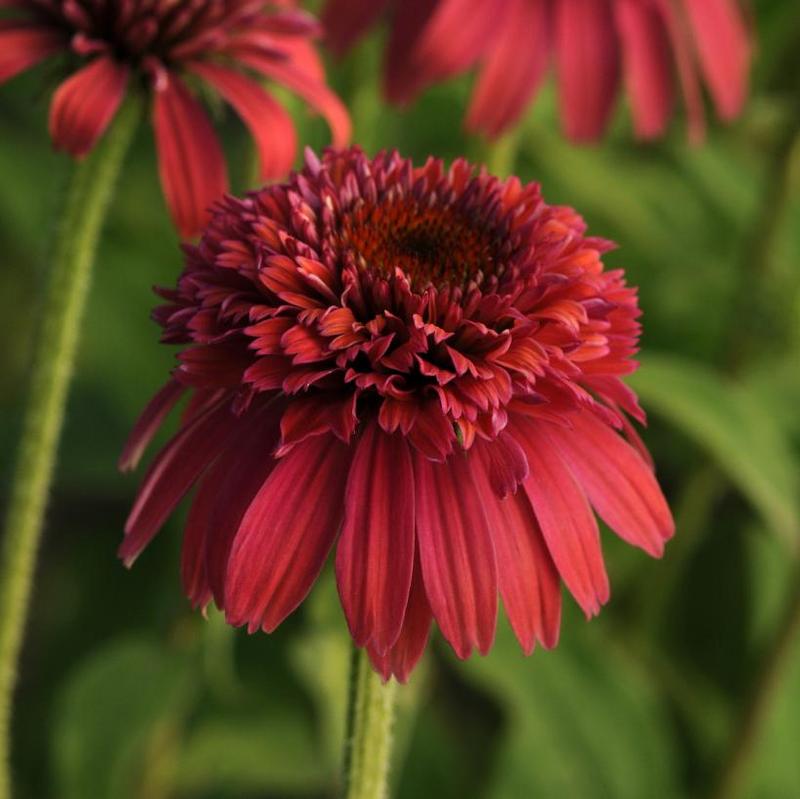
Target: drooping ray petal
(619, 484)
(513, 67)
(647, 65)
(184, 140)
(269, 123)
(23, 46)
(456, 553)
(85, 103)
(588, 66)
(565, 518)
(528, 580)
(399, 661)
(171, 475)
(375, 553)
(286, 534)
(724, 49)
(148, 423)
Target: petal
(399, 661)
(172, 473)
(314, 92)
(21, 47)
(84, 104)
(375, 554)
(565, 518)
(402, 78)
(270, 125)
(724, 49)
(513, 67)
(151, 418)
(680, 41)
(456, 552)
(190, 159)
(346, 21)
(588, 66)
(286, 534)
(647, 64)
(617, 481)
(224, 494)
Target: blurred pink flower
(423, 363)
(649, 45)
(160, 44)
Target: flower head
(422, 362)
(650, 45)
(168, 45)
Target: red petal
(618, 482)
(565, 518)
(588, 66)
(375, 554)
(148, 423)
(85, 103)
(456, 552)
(270, 125)
(402, 80)
(224, 494)
(314, 92)
(527, 577)
(724, 50)
(286, 534)
(21, 47)
(346, 21)
(171, 475)
(400, 660)
(648, 66)
(190, 159)
(513, 67)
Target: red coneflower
(593, 44)
(424, 363)
(164, 44)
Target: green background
(124, 692)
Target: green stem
(66, 291)
(370, 716)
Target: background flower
(223, 44)
(426, 359)
(652, 46)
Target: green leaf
(120, 703)
(582, 721)
(727, 419)
(234, 756)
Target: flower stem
(370, 716)
(65, 297)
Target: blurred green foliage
(125, 693)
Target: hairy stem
(53, 360)
(370, 717)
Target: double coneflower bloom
(420, 366)
(170, 45)
(651, 45)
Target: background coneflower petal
(184, 139)
(22, 46)
(723, 48)
(588, 66)
(85, 103)
(270, 125)
(513, 67)
(647, 64)
(346, 21)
